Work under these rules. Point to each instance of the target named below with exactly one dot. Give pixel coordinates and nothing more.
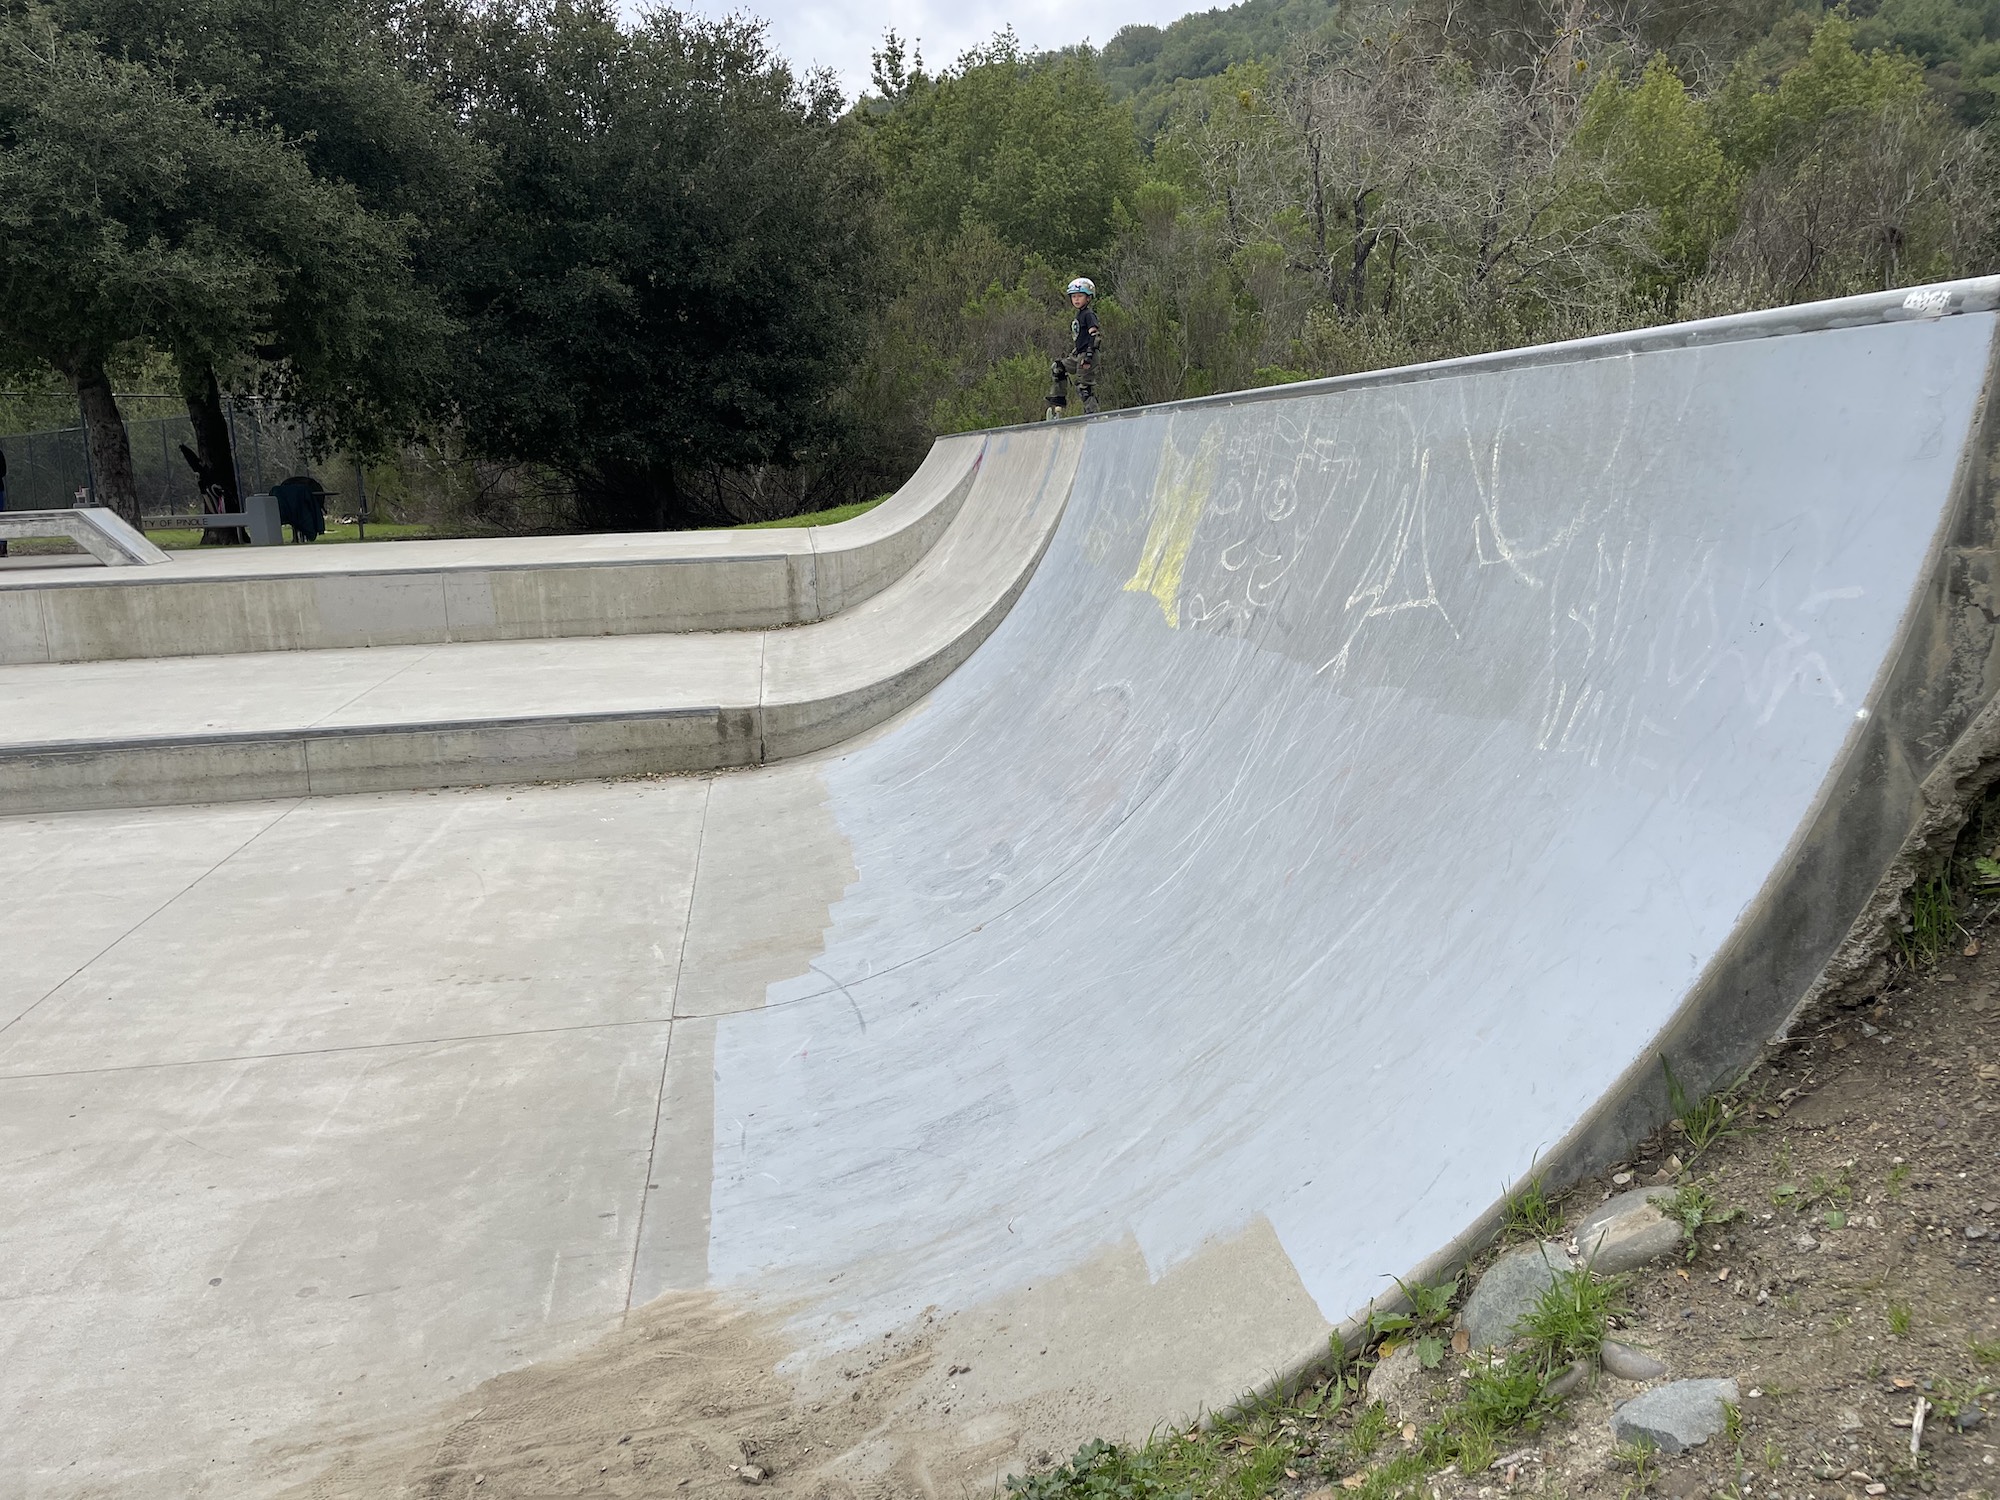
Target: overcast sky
(840, 36)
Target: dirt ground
(1862, 1273)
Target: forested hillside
(1396, 182)
(650, 265)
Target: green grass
(1319, 1435)
(1899, 1319)
(378, 531)
(1572, 1318)
(1700, 1123)
(1531, 1214)
(1933, 922)
(832, 517)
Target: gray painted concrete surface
(297, 598)
(1363, 785)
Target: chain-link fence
(48, 467)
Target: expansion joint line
(666, 1055)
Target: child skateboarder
(1081, 361)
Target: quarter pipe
(1373, 780)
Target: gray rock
(1568, 1383)
(1628, 1363)
(1675, 1417)
(1969, 1417)
(1508, 1292)
(1627, 1232)
(1397, 1382)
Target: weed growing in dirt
(1774, 1456)
(1317, 1434)
(1932, 923)
(1430, 1312)
(1507, 1393)
(1702, 1123)
(1694, 1208)
(1899, 1319)
(1732, 1423)
(1572, 1318)
(1951, 1397)
(1985, 876)
(1532, 1214)
(1898, 1179)
(1639, 1458)
(1986, 1351)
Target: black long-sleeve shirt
(1083, 327)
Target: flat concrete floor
(316, 1112)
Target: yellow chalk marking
(1180, 492)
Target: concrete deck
(240, 599)
(153, 732)
(1372, 781)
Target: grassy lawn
(378, 531)
(404, 531)
(814, 517)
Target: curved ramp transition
(224, 600)
(1372, 779)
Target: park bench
(259, 517)
(98, 531)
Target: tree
(1035, 149)
(353, 340)
(120, 199)
(1857, 179)
(1659, 154)
(670, 267)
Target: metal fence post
(235, 447)
(83, 431)
(360, 500)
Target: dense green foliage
(670, 264)
(1314, 194)
(644, 260)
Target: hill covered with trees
(649, 261)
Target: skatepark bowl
(907, 999)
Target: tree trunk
(216, 467)
(104, 433)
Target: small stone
(1976, 1231)
(1878, 1488)
(1397, 1382)
(1565, 1385)
(1850, 1420)
(751, 1474)
(1628, 1363)
(1675, 1417)
(1508, 1292)
(1627, 1232)
(1970, 1418)
(1807, 1243)
(1621, 1179)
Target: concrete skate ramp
(1373, 779)
(1371, 783)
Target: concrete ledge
(98, 531)
(222, 728)
(228, 601)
